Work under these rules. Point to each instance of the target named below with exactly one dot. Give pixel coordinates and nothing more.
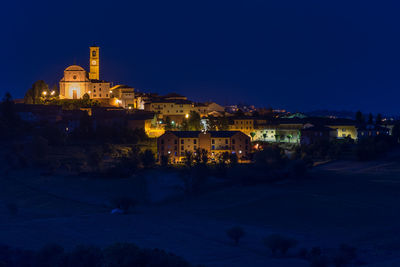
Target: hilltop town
(182, 125)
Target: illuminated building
(174, 144)
(124, 96)
(77, 82)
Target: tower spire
(94, 63)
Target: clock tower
(94, 63)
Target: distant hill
(332, 113)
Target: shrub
(315, 252)
(147, 158)
(164, 160)
(124, 203)
(303, 253)
(49, 256)
(320, 261)
(83, 256)
(279, 243)
(235, 233)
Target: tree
(194, 121)
(370, 118)
(239, 113)
(168, 124)
(252, 134)
(279, 243)
(7, 110)
(378, 119)
(147, 158)
(235, 233)
(188, 158)
(164, 160)
(233, 158)
(359, 117)
(34, 94)
(86, 97)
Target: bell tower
(94, 63)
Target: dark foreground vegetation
(119, 254)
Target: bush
(83, 256)
(303, 253)
(279, 243)
(49, 256)
(147, 158)
(124, 203)
(117, 255)
(235, 233)
(320, 261)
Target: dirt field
(342, 202)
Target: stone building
(174, 144)
(77, 82)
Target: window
(106, 95)
(94, 95)
(182, 148)
(74, 77)
(233, 147)
(175, 141)
(233, 141)
(194, 147)
(212, 147)
(182, 141)
(162, 141)
(212, 141)
(162, 148)
(99, 89)
(194, 141)
(94, 53)
(182, 153)
(176, 148)
(226, 141)
(247, 141)
(99, 95)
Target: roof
(176, 101)
(195, 134)
(173, 95)
(74, 68)
(121, 86)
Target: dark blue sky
(299, 55)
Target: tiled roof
(195, 134)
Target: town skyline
(322, 57)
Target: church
(77, 82)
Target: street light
(53, 92)
(44, 93)
(186, 116)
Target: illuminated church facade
(77, 82)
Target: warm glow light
(89, 92)
(110, 91)
(186, 116)
(53, 92)
(44, 93)
(129, 107)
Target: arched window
(93, 53)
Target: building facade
(77, 82)
(174, 144)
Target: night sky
(298, 55)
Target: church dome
(74, 68)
